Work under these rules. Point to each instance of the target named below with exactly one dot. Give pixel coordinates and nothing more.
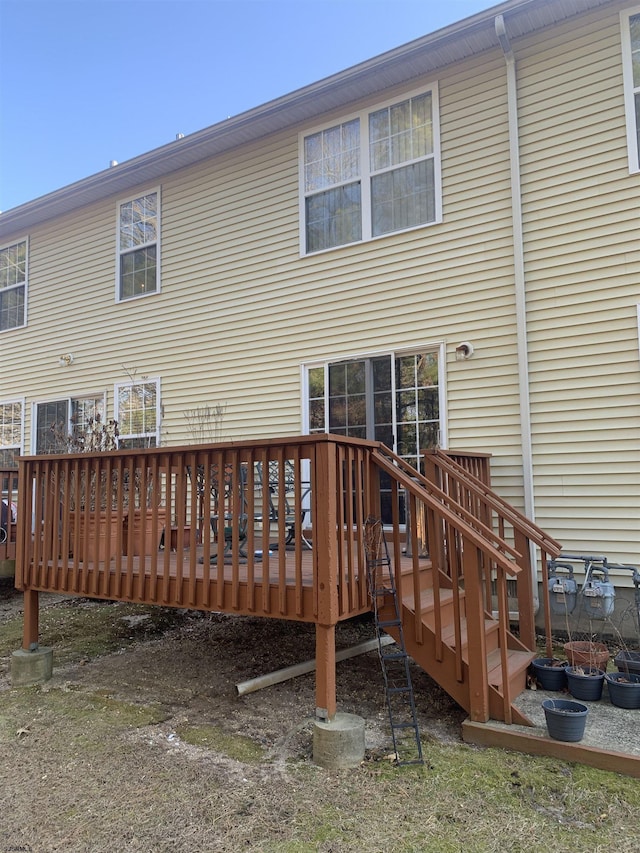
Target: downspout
(520, 286)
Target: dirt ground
(198, 735)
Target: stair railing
(461, 548)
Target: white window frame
(438, 347)
(629, 90)
(145, 436)
(157, 243)
(19, 447)
(69, 400)
(366, 172)
(17, 242)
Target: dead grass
(142, 745)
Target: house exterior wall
(582, 264)
(240, 310)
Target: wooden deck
(91, 525)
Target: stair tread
(517, 662)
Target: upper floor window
(630, 21)
(13, 285)
(138, 246)
(138, 413)
(10, 434)
(374, 174)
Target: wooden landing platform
(611, 741)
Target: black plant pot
(624, 689)
(566, 720)
(585, 682)
(550, 673)
(628, 662)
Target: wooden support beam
(30, 629)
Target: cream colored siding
(580, 212)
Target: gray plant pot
(566, 720)
(585, 682)
(624, 689)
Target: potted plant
(585, 682)
(624, 689)
(550, 673)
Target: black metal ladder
(394, 660)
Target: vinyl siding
(580, 204)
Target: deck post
(326, 546)
(30, 628)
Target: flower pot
(550, 673)
(566, 719)
(628, 662)
(624, 689)
(585, 682)
(585, 653)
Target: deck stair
(446, 618)
(394, 659)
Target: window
(138, 413)
(10, 434)
(372, 175)
(138, 242)
(13, 285)
(395, 398)
(630, 22)
(57, 420)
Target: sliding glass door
(392, 398)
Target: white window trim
(365, 170)
(433, 346)
(119, 204)
(26, 281)
(629, 99)
(148, 380)
(22, 403)
(69, 398)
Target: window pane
(13, 265)
(401, 133)
(138, 221)
(138, 272)
(316, 382)
(427, 369)
(403, 198)
(137, 413)
(337, 413)
(355, 377)
(332, 156)
(337, 379)
(333, 218)
(316, 415)
(10, 429)
(634, 25)
(11, 308)
(52, 427)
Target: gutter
(520, 288)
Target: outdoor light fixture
(464, 351)
(65, 360)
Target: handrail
(437, 500)
(495, 501)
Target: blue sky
(83, 82)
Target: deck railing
(275, 528)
